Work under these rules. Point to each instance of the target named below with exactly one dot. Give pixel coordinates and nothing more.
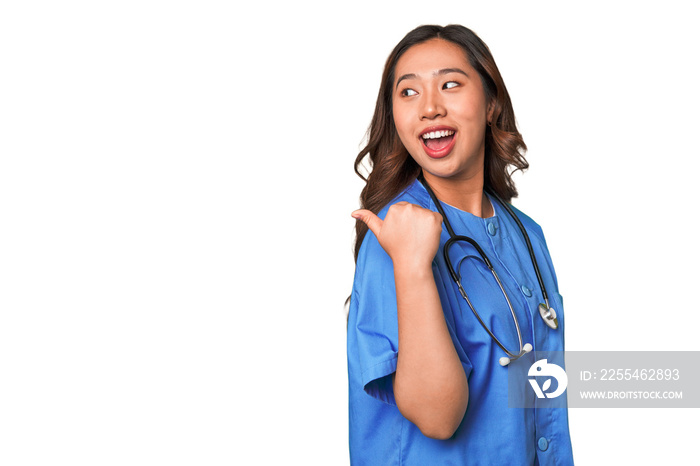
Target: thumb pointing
(373, 222)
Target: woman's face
(440, 110)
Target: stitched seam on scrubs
(364, 372)
(505, 225)
(510, 244)
(562, 325)
(501, 216)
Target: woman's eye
(450, 85)
(408, 92)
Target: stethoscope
(547, 313)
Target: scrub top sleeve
(372, 322)
(448, 303)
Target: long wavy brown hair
(393, 169)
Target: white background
(176, 185)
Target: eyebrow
(437, 73)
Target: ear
(489, 110)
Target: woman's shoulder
(414, 193)
(370, 250)
(532, 227)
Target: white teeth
(437, 134)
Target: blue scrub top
(491, 433)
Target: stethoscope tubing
(457, 277)
(454, 237)
(527, 241)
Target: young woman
(432, 336)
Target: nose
(432, 105)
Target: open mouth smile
(438, 141)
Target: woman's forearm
(430, 385)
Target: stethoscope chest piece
(549, 316)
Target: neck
(466, 194)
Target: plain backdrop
(176, 185)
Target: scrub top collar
(482, 229)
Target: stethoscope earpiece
(504, 361)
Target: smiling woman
(441, 111)
(426, 386)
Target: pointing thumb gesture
(408, 233)
(373, 222)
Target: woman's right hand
(409, 233)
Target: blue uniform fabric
(491, 433)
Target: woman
(426, 385)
